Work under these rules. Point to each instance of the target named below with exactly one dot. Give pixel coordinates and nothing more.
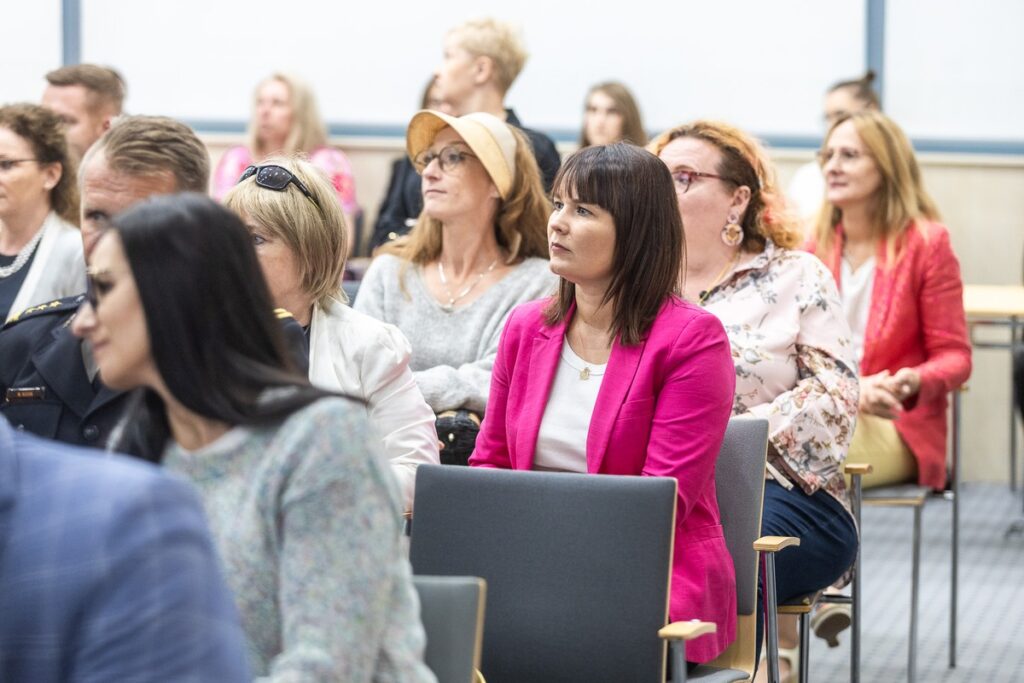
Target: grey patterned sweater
(452, 352)
(307, 520)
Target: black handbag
(457, 430)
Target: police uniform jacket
(45, 388)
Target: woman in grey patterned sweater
(303, 508)
(478, 249)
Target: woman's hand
(878, 395)
(905, 383)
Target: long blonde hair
(744, 162)
(520, 225)
(900, 199)
(308, 130)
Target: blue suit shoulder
(115, 568)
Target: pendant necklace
(450, 306)
(703, 296)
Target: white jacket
(58, 268)
(358, 355)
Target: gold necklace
(450, 306)
(703, 296)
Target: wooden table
(994, 301)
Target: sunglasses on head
(274, 177)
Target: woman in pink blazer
(902, 294)
(616, 374)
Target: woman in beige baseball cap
(478, 248)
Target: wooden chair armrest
(773, 544)
(686, 630)
(860, 468)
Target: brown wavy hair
(520, 225)
(744, 162)
(44, 131)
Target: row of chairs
(577, 567)
(576, 571)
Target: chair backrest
(577, 567)
(452, 611)
(739, 482)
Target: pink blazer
(661, 411)
(917, 320)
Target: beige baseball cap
(489, 137)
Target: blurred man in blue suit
(107, 572)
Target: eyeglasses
(8, 164)
(95, 289)
(684, 179)
(274, 177)
(448, 158)
(846, 155)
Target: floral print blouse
(795, 364)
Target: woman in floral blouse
(790, 342)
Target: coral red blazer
(917, 320)
(661, 411)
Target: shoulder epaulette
(68, 304)
(282, 313)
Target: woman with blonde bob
(478, 248)
(879, 234)
(790, 344)
(298, 231)
(286, 121)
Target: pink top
(661, 411)
(328, 159)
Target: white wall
(762, 65)
(955, 69)
(29, 47)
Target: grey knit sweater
(452, 352)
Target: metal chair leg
(677, 651)
(805, 647)
(955, 532)
(855, 592)
(770, 624)
(914, 590)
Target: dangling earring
(732, 233)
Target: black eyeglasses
(8, 164)
(95, 288)
(448, 158)
(274, 177)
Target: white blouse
(856, 295)
(562, 438)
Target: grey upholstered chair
(577, 567)
(739, 480)
(452, 611)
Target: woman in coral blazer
(616, 374)
(902, 294)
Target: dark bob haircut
(214, 338)
(636, 188)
